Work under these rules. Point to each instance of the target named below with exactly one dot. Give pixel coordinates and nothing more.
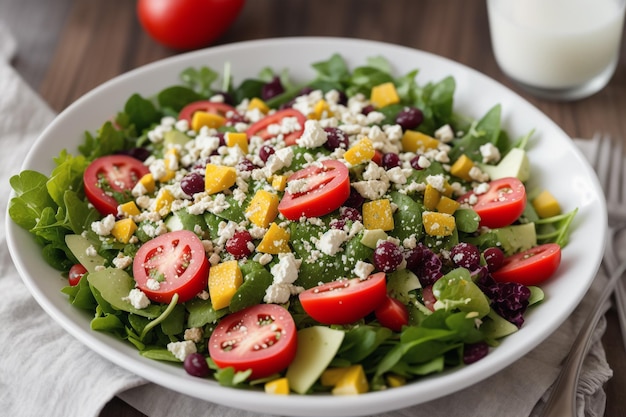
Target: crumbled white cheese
(313, 135)
(193, 334)
(103, 227)
(182, 349)
(330, 242)
(137, 299)
(490, 153)
(444, 133)
(363, 269)
(122, 261)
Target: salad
(347, 234)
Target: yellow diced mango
(331, 376)
(171, 165)
(384, 94)
(128, 209)
(461, 167)
(275, 241)
(163, 202)
(438, 224)
(123, 230)
(279, 182)
(395, 381)
(546, 205)
(224, 280)
(378, 214)
(237, 139)
(320, 110)
(447, 205)
(414, 141)
(431, 197)
(257, 103)
(147, 181)
(360, 152)
(211, 120)
(447, 189)
(278, 386)
(263, 208)
(352, 382)
(219, 178)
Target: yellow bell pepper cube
(123, 230)
(395, 381)
(224, 280)
(219, 178)
(257, 103)
(384, 94)
(438, 224)
(211, 120)
(163, 202)
(378, 214)
(546, 205)
(279, 182)
(320, 110)
(414, 141)
(461, 167)
(128, 209)
(431, 197)
(360, 152)
(447, 205)
(147, 181)
(353, 381)
(263, 208)
(237, 139)
(331, 376)
(278, 386)
(275, 241)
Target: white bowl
(556, 164)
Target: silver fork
(611, 170)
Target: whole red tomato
(187, 24)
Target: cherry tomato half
(346, 300)
(327, 188)
(187, 24)
(531, 267)
(76, 273)
(392, 314)
(262, 338)
(221, 109)
(176, 261)
(501, 205)
(112, 173)
(260, 128)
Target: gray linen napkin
(45, 371)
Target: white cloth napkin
(45, 371)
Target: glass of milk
(557, 49)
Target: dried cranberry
(265, 152)
(336, 138)
(192, 183)
(272, 89)
(195, 364)
(474, 352)
(355, 199)
(246, 165)
(409, 118)
(494, 258)
(391, 160)
(465, 255)
(387, 256)
(239, 245)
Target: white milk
(556, 44)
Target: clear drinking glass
(557, 49)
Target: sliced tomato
(110, 174)
(261, 338)
(214, 107)
(260, 128)
(392, 314)
(346, 300)
(327, 188)
(531, 267)
(76, 273)
(501, 205)
(172, 263)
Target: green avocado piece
(514, 164)
(516, 238)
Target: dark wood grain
(68, 47)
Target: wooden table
(68, 47)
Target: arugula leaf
(31, 198)
(199, 80)
(142, 112)
(177, 97)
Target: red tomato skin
(187, 24)
(195, 266)
(495, 211)
(344, 301)
(392, 314)
(260, 128)
(222, 109)
(131, 171)
(531, 267)
(321, 200)
(245, 354)
(76, 274)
